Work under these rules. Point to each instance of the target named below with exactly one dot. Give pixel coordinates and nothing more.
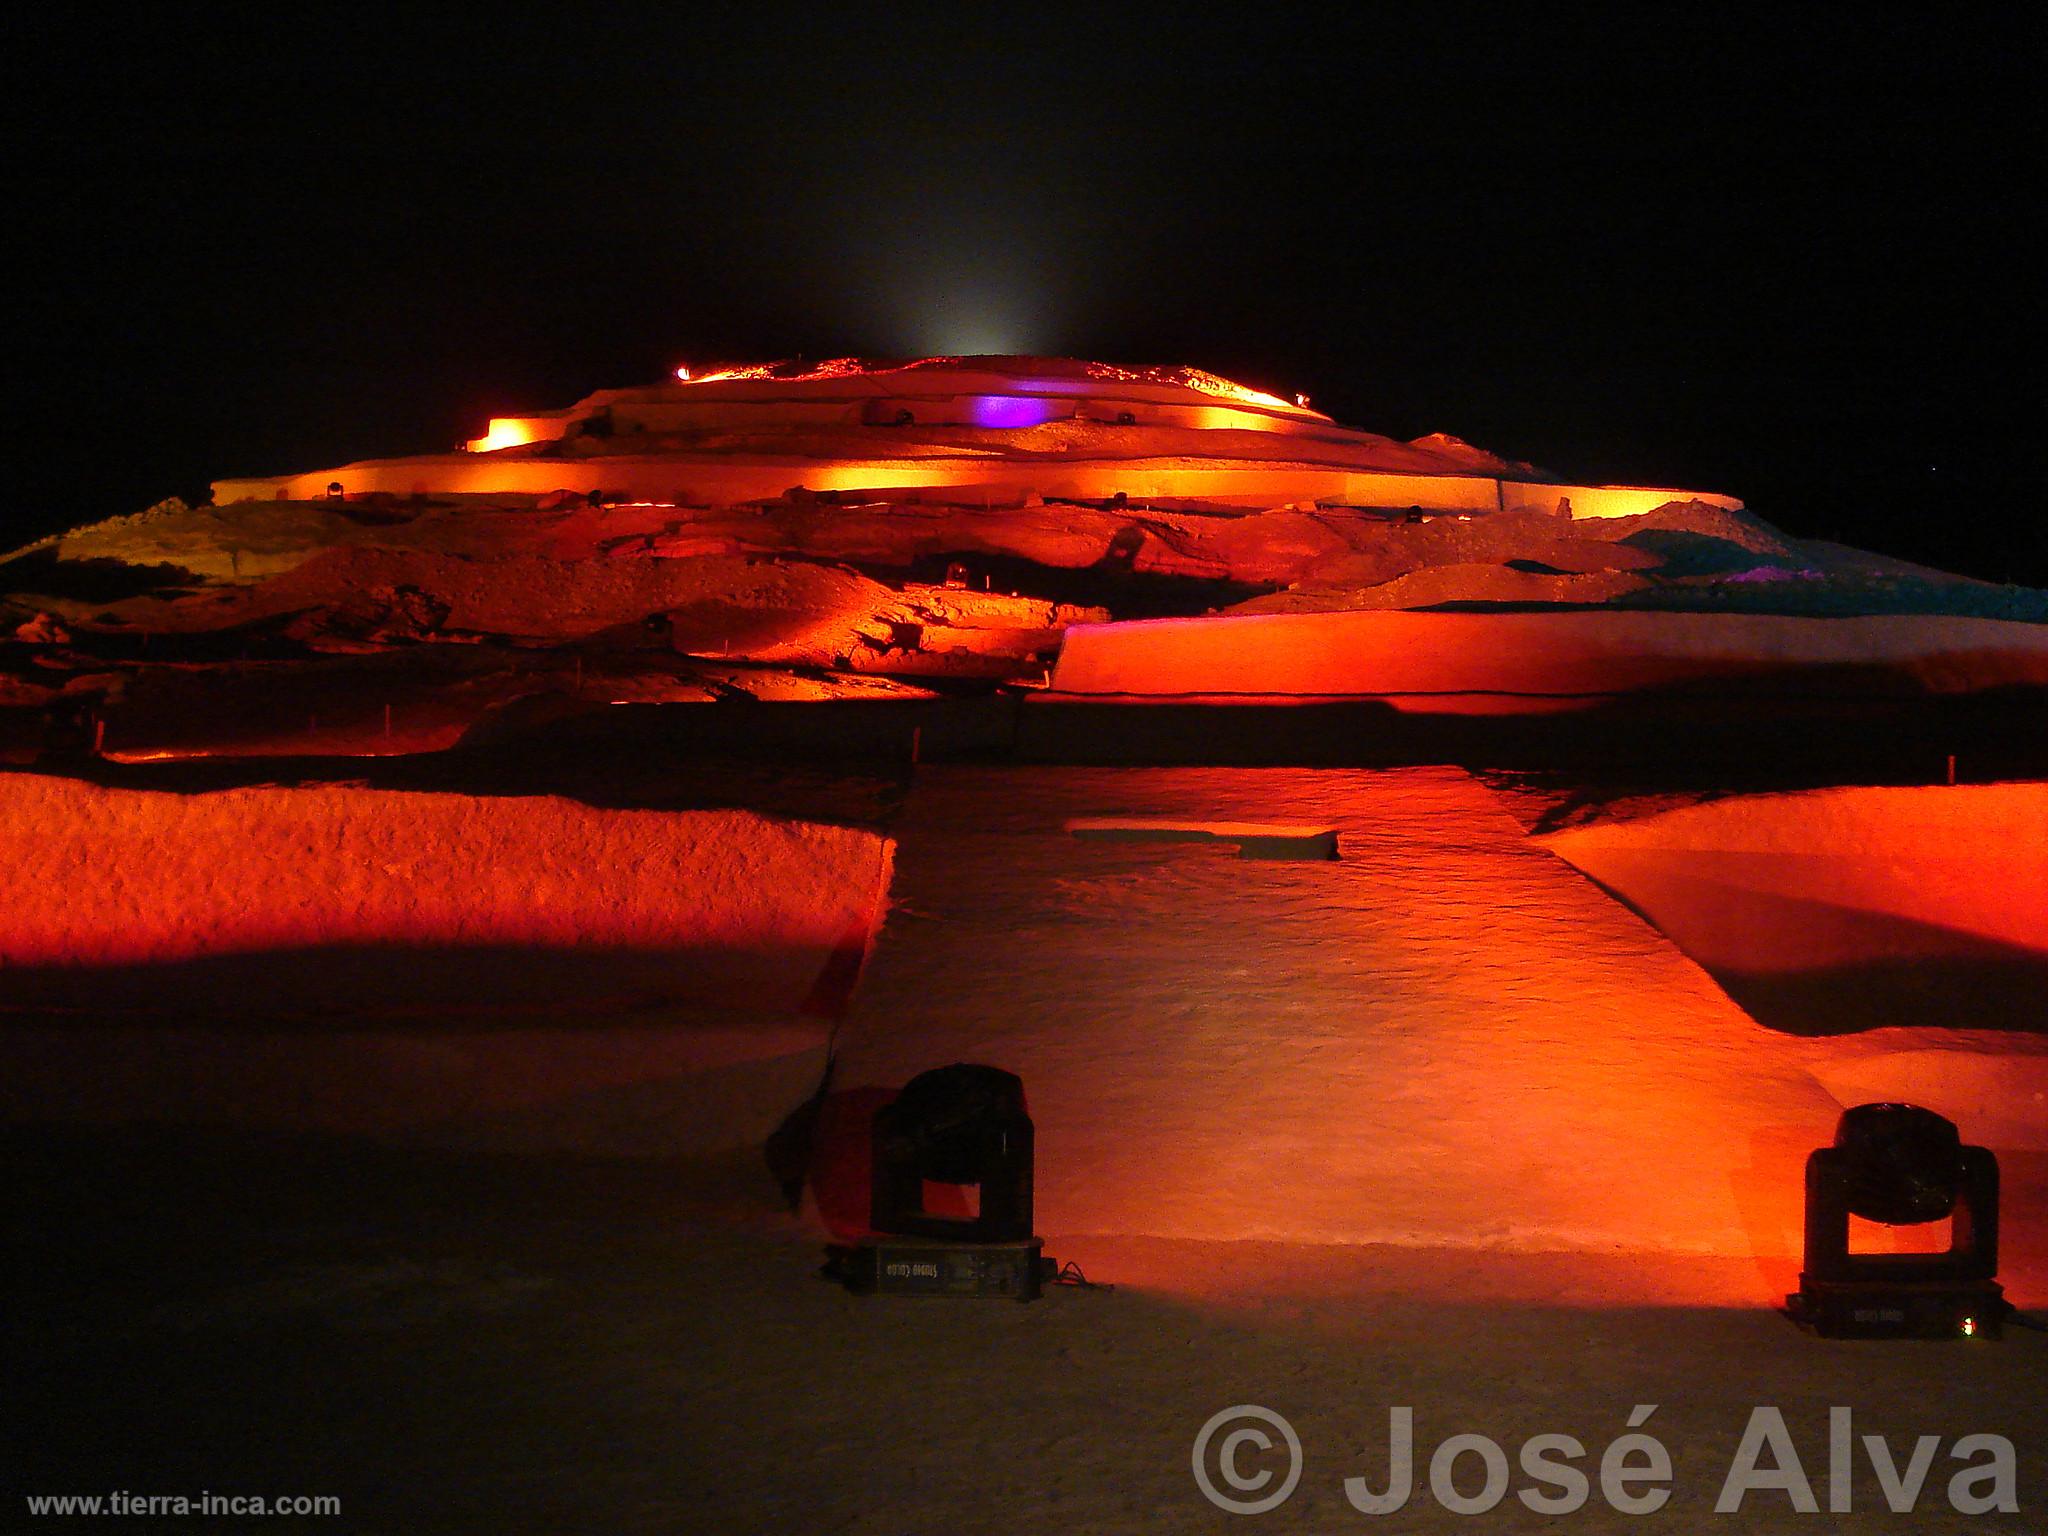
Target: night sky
(1787, 257)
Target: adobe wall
(505, 971)
(708, 482)
(1435, 659)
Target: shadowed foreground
(482, 1347)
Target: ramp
(1444, 1036)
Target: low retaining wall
(1855, 908)
(706, 482)
(1434, 657)
(517, 971)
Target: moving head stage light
(963, 1126)
(1900, 1165)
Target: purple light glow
(1012, 410)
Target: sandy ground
(454, 1346)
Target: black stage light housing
(1900, 1165)
(963, 1124)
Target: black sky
(1786, 255)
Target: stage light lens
(1905, 1163)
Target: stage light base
(927, 1266)
(1892, 1309)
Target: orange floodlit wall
(1601, 500)
(343, 901)
(716, 480)
(1490, 661)
(1855, 907)
(516, 432)
(1969, 858)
